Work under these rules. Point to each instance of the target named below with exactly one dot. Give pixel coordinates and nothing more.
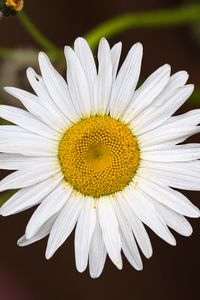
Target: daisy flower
(10, 7)
(97, 155)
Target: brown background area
(173, 272)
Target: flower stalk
(53, 51)
(162, 18)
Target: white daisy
(97, 154)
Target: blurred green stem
(162, 18)
(48, 46)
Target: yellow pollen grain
(15, 5)
(99, 156)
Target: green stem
(161, 18)
(52, 50)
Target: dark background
(173, 272)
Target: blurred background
(173, 272)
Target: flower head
(101, 156)
(11, 7)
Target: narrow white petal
(156, 113)
(26, 143)
(83, 234)
(78, 84)
(174, 220)
(103, 84)
(171, 198)
(43, 232)
(190, 168)
(86, 58)
(137, 227)
(64, 224)
(179, 176)
(5, 130)
(38, 85)
(185, 152)
(29, 176)
(126, 81)
(177, 80)
(33, 105)
(97, 254)
(144, 96)
(30, 196)
(146, 212)
(163, 134)
(57, 88)
(168, 145)
(52, 204)
(25, 120)
(16, 161)
(110, 229)
(115, 57)
(129, 245)
(190, 118)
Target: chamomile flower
(97, 155)
(11, 7)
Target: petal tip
(48, 253)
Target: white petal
(176, 221)
(78, 85)
(30, 196)
(86, 58)
(33, 105)
(144, 96)
(129, 245)
(109, 226)
(190, 118)
(190, 168)
(185, 152)
(49, 207)
(83, 234)
(10, 129)
(177, 80)
(25, 120)
(43, 232)
(16, 161)
(57, 88)
(183, 124)
(157, 114)
(172, 199)
(103, 83)
(126, 81)
(64, 224)
(40, 89)
(179, 176)
(137, 227)
(146, 212)
(29, 176)
(26, 143)
(163, 134)
(97, 254)
(115, 57)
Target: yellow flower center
(99, 156)
(15, 5)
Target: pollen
(99, 156)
